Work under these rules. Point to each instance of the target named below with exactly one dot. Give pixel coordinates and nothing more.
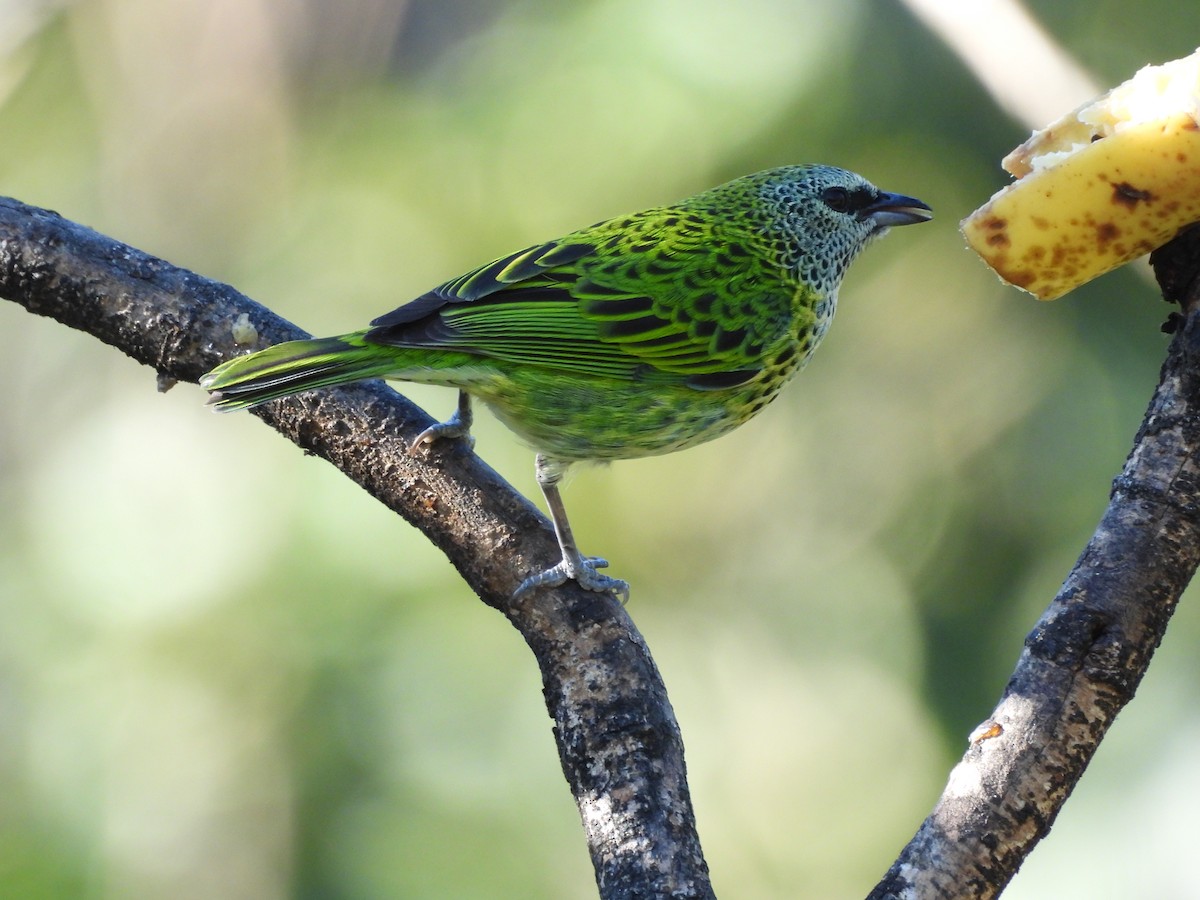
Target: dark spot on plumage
(726, 340)
(729, 309)
(626, 307)
(663, 340)
(679, 314)
(703, 303)
(747, 307)
(645, 372)
(585, 287)
(554, 277)
(716, 381)
(538, 293)
(659, 269)
(786, 355)
(704, 328)
(626, 328)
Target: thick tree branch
(618, 740)
(1087, 654)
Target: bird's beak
(896, 209)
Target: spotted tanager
(640, 335)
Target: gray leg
(574, 565)
(458, 426)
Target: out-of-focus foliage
(226, 673)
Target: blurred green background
(225, 672)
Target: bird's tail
(292, 367)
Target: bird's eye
(836, 198)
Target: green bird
(640, 335)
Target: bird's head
(820, 217)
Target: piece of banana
(1104, 184)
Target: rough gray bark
(618, 740)
(1088, 652)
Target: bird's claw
(457, 427)
(442, 431)
(583, 572)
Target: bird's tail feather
(292, 367)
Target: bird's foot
(457, 427)
(581, 570)
(442, 431)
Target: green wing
(661, 294)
